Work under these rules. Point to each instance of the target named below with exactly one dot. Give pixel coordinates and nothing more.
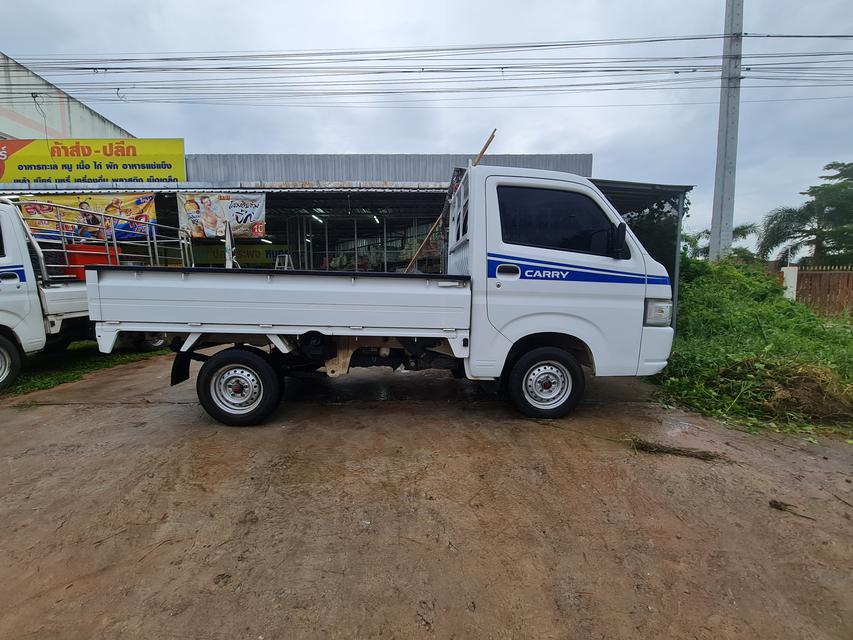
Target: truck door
(551, 269)
(14, 285)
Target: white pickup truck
(545, 279)
(43, 303)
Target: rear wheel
(10, 362)
(238, 387)
(546, 383)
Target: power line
(420, 74)
(396, 105)
(208, 55)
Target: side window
(553, 219)
(2, 246)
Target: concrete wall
(65, 117)
(377, 168)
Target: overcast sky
(783, 145)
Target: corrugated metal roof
(632, 197)
(325, 172)
(413, 168)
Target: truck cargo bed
(278, 301)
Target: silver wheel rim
(547, 384)
(236, 389)
(5, 365)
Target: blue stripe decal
(532, 269)
(565, 266)
(651, 279)
(15, 268)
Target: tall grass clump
(745, 353)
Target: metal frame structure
(161, 244)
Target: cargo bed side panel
(279, 299)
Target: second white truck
(544, 280)
(43, 303)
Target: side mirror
(618, 245)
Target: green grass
(746, 354)
(47, 370)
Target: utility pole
(722, 215)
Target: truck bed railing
(57, 245)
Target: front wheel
(10, 362)
(238, 387)
(546, 383)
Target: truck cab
(552, 263)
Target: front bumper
(654, 350)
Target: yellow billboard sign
(92, 160)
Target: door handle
(508, 271)
(8, 276)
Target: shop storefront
(331, 229)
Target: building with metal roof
(404, 168)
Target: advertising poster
(47, 219)
(92, 160)
(204, 215)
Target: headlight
(658, 313)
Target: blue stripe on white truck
(15, 268)
(546, 270)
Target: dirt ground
(409, 506)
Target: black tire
(253, 349)
(10, 362)
(536, 373)
(251, 374)
(458, 371)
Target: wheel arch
(7, 332)
(572, 344)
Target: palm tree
(696, 248)
(823, 225)
(793, 229)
